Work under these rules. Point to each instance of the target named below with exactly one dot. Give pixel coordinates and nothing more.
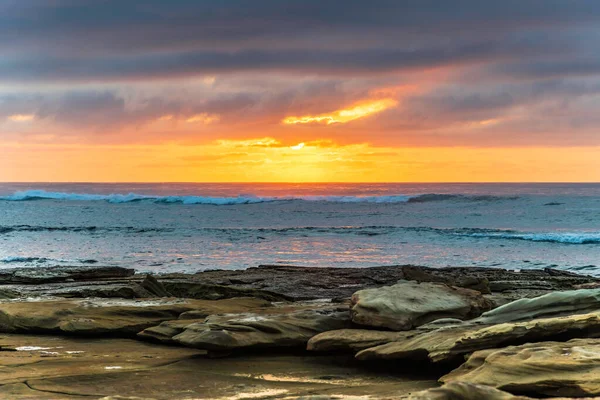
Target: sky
(299, 91)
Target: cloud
(356, 111)
(484, 73)
(114, 40)
(21, 117)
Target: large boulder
(251, 331)
(537, 369)
(408, 304)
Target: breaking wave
(375, 230)
(245, 199)
(550, 237)
(42, 260)
(18, 259)
(88, 229)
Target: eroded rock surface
(353, 340)
(95, 317)
(570, 369)
(548, 305)
(62, 274)
(104, 302)
(252, 331)
(463, 391)
(281, 283)
(304, 283)
(450, 343)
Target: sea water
(191, 227)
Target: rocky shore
(288, 332)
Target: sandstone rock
(66, 368)
(281, 283)
(251, 331)
(152, 285)
(409, 304)
(95, 317)
(165, 331)
(463, 391)
(205, 291)
(452, 343)
(548, 305)
(62, 274)
(353, 340)
(488, 331)
(543, 369)
(103, 290)
(8, 294)
(303, 283)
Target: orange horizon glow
(270, 160)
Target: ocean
(189, 227)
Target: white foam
(554, 237)
(209, 200)
(32, 348)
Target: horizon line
(299, 183)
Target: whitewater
(190, 227)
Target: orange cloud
(203, 118)
(21, 117)
(263, 142)
(360, 110)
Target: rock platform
(299, 333)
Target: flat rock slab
(62, 274)
(277, 283)
(69, 368)
(353, 340)
(570, 369)
(304, 283)
(124, 318)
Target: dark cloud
(145, 24)
(530, 64)
(300, 61)
(111, 40)
(581, 66)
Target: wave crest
(550, 237)
(31, 195)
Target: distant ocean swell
(88, 229)
(248, 199)
(577, 238)
(39, 260)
